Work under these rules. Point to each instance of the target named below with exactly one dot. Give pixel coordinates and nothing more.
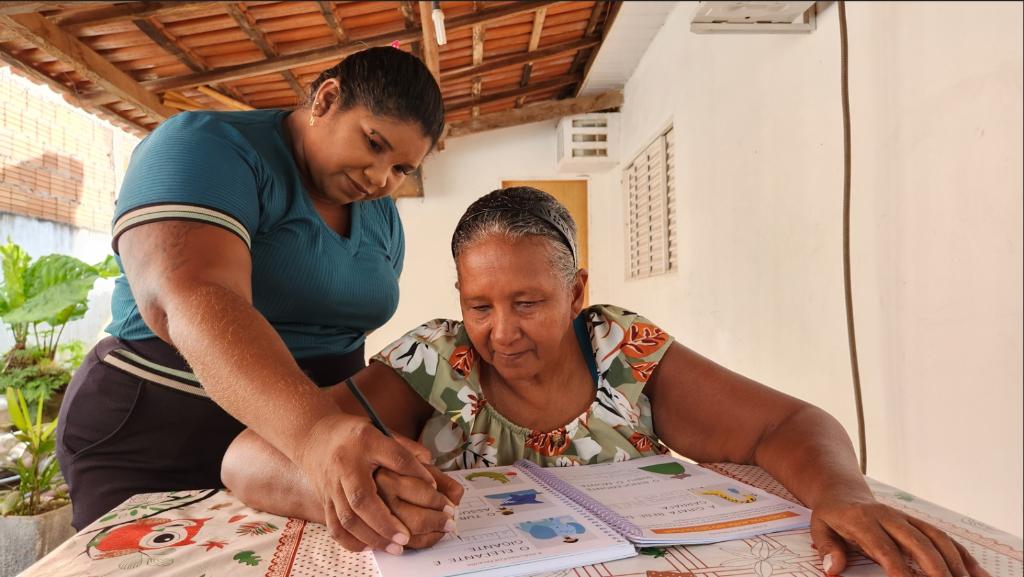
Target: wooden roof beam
(279, 63)
(478, 59)
(456, 105)
(176, 100)
(73, 97)
(536, 113)
(327, 9)
(225, 100)
(405, 7)
(69, 51)
(431, 52)
(248, 25)
(158, 34)
(151, 28)
(535, 34)
(133, 11)
(516, 59)
(595, 17)
(538, 27)
(9, 8)
(408, 17)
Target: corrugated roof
(138, 62)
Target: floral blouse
(439, 363)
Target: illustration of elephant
(564, 527)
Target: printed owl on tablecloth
(144, 535)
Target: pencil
(366, 406)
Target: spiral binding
(595, 507)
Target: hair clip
(396, 44)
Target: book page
(673, 501)
(508, 524)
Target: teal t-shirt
(321, 291)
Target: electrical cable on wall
(847, 283)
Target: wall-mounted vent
(754, 17)
(588, 142)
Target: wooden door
(572, 194)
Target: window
(650, 186)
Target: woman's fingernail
(394, 549)
(449, 510)
(826, 564)
(449, 526)
(400, 539)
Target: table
(214, 535)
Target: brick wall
(57, 162)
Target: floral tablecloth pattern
(209, 533)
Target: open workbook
(524, 519)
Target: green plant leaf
(73, 354)
(55, 269)
(48, 429)
(18, 418)
(71, 313)
(15, 263)
(37, 424)
(55, 290)
(51, 302)
(107, 268)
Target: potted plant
(35, 515)
(37, 301)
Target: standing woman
(257, 249)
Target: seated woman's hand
(886, 535)
(340, 455)
(429, 513)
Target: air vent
(754, 17)
(588, 143)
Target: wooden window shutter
(646, 182)
(670, 200)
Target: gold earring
(312, 114)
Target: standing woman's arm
(192, 283)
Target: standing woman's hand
(339, 457)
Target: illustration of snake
(502, 478)
(725, 495)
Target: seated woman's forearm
(811, 454)
(263, 478)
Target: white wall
(936, 228)
(936, 93)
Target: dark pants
(134, 420)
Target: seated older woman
(530, 374)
